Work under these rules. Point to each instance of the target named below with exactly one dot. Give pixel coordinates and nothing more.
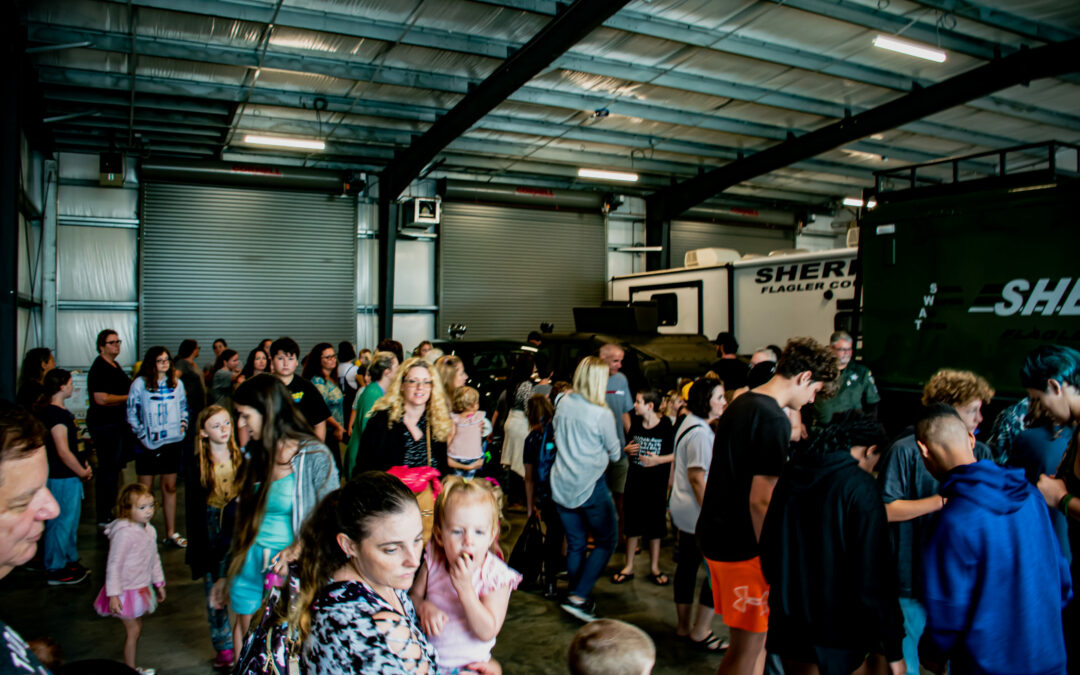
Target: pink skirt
(133, 603)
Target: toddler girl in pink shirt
(463, 588)
(133, 567)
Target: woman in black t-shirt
(67, 471)
(649, 448)
(106, 419)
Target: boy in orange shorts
(749, 453)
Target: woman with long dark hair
(35, 364)
(226, 377)
(157, 412)
(258, 362)
(354, 614)
(288, 471)
(320, 368)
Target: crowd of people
(347, 518)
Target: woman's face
(390, 555)
(48, 364)
(328, 359)
(250, 419)
(69, 388)
(716, 402)
(233, 364)
(259, 362)
(462, 377)
(416, 386)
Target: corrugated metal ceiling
(681, 85)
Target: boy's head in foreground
(610, 647)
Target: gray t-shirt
(621, 401)
(904, 476)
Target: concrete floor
(176, 639)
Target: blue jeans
(60, 544)
(598, 515)
(914, 624)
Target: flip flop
(175, 541)
(659, 579)
(620, 578)
(712, 643)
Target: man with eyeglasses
(108, 386)
(855, 389)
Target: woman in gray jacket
(288, 471)
(586, 441)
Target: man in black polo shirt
(284, 357)
(748, 455)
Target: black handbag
(528, 554)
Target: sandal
(620, 578)
(712, 643)
(176, 540)
(660, 579)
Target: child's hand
(491, 667)
(432, 619)
(475, 465)
(114, 604)
(161, 594)
(218, 597)
(649, 460)
(632, 448)
(461, 575)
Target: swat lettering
(927, 302)
(1046, 297)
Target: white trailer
(762, 300)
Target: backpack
(546, 458)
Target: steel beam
(991, 16)
(1021, 67)
(559, 35)
(10, 152)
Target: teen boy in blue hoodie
(995, 580)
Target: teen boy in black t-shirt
(748, 454)
(284, 356)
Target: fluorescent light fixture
(909, 48)
(279, 142)
(640, 249)
(607, 175)
(858, 203)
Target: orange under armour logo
(743, 598)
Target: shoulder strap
(686, 431)
(427, 438)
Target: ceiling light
(607, 175)
(909, 48)
(853, 201)
(285, 142)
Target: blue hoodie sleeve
(950, 574)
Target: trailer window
(667, 308)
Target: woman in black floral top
(366, 538)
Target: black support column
(388, 224)
(9, 201)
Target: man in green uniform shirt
(855, 388)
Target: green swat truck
(969, 263)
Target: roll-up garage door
(686, 235)
(505, 270)
(245, 265)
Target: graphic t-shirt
(656, 441)
(110, 380)
(751, 440)
(308, 399)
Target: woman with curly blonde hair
(410, 424)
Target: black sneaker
(67, 577)
(584, 610)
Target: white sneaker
(146, 671)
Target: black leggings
(686, 571)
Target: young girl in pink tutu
(134, 565)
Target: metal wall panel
(245, 265)
(686, 235)
(97, 263)
(76, 335)
(504, 270)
